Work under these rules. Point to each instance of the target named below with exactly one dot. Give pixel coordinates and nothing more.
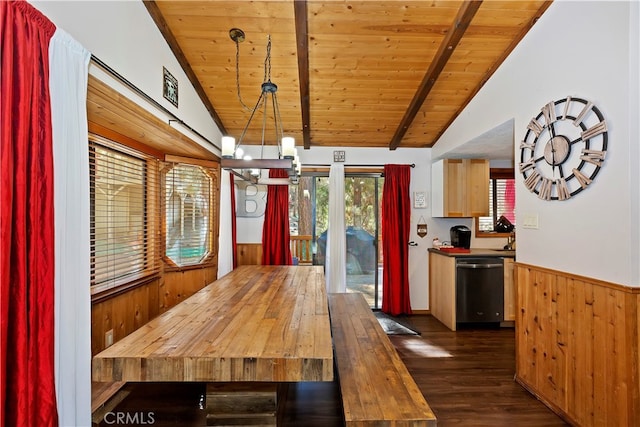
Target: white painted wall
(587, 49)
(123, 35)
(634, 131)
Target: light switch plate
(530, 220)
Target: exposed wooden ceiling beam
(160, 22)
(496, 64)
(465, 14)
(302, 42)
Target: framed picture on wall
(169, 87)
(419, 199)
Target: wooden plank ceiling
(114, 116)
(349, 73)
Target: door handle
(480, 266)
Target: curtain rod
(317, 165)
(147, 98)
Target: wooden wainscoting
(125, 312)
(249, 253)
(577, 345)
(180, 285)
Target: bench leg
(98, 415)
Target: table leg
(244, 404)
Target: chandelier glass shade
(245, 167)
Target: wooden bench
(104, 397)
(376, 387)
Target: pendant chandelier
(233, 158)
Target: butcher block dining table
(245, 335)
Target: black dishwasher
(479, 290)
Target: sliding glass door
(310, 214)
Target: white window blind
(124, 212)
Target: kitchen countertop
(484, 252)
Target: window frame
(494, 173)
(151, 268)
(212, 170)
(210, 250)
(155, 158)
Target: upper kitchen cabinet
(460, 188)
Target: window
(501, 202)
(309, 216)
(188, 192)
(122, 206)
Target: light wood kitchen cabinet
(442, 289)
(460, 188)
(442, 286)
(509, 291)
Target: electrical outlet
(108, 338)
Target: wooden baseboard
(554, 408)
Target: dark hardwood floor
(466, 376)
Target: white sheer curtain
(225, 245)
(69, 64)
(335, 258)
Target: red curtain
(275, 232)
(26, 220)
(396, 220)
(510, 200)
(234, 242)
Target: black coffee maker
(460, 236)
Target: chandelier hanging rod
(267, 87)
(232, 155)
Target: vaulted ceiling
(349, 73)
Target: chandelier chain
(267, 62)
(287, 158)
(238, 76)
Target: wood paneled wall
(124, 313)
(180, 285)
(249, 253)
(127, 311)
(577, 345)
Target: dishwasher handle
(481, 265)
